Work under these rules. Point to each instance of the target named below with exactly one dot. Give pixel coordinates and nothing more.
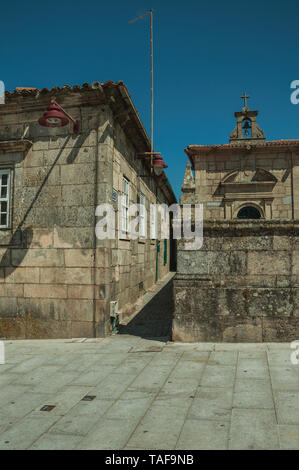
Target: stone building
(57, 279)
(242, 285)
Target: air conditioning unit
(114, 308)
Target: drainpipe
(292, 186)
(157, 242)
(94, 232)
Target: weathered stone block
(8, 307)
(78, 195)
(35, 176)
(280, 329)
(268, 302)
(80, 292)
(209, 262)
(45, 291)
(67, 237)
(66, 275)
(48, 329)
(295, 262)
(34, 308)
(11, 290)
(12, 328)
(79, 257)
(81, 310)
(42, 238)
(75, 216)
(77, 174)
(5, 257)
(81, 329)
(103, 257)
(21, 275)
(249, 331)
(36, 257)
(269, 262)
(102, 311)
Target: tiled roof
(106, 89)
(270, 143)
(26, 91)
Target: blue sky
(206, 55)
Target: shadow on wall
(155, 319)
(22, 238)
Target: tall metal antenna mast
(150, 12)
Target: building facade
(249, 174)
(57, 278)
(242, 285)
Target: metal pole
(150, 12)
(152, 91)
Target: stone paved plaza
(149, 394)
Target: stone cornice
(9, 146)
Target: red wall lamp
(159, 165)
(56, 116)
(157, 162)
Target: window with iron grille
(142, 216)
(154, 221)
(4, 198)
(125, 206)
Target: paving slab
(287, 406)
(28, 402)
(226, 358)
(253, 393)
(285, 377)
(66, 399)
(198, 434)
(253, 368)
(81, 418)
(50, 441)
(241, 347)
(159, 428)
(114, 386)
(288, 437)
(279, 357)
(108, 434)
(212, 403)
(218, 376)
(253, 429)
(148, 393)
(24, 432)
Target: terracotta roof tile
(269, 143)
(25, 91)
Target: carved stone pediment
(248, 182)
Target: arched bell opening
(247, 129)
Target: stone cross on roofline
(245, 97)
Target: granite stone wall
(56, 278)
(242, 285)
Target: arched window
(249, 212)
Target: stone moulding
(8, 146)
(245, 227)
